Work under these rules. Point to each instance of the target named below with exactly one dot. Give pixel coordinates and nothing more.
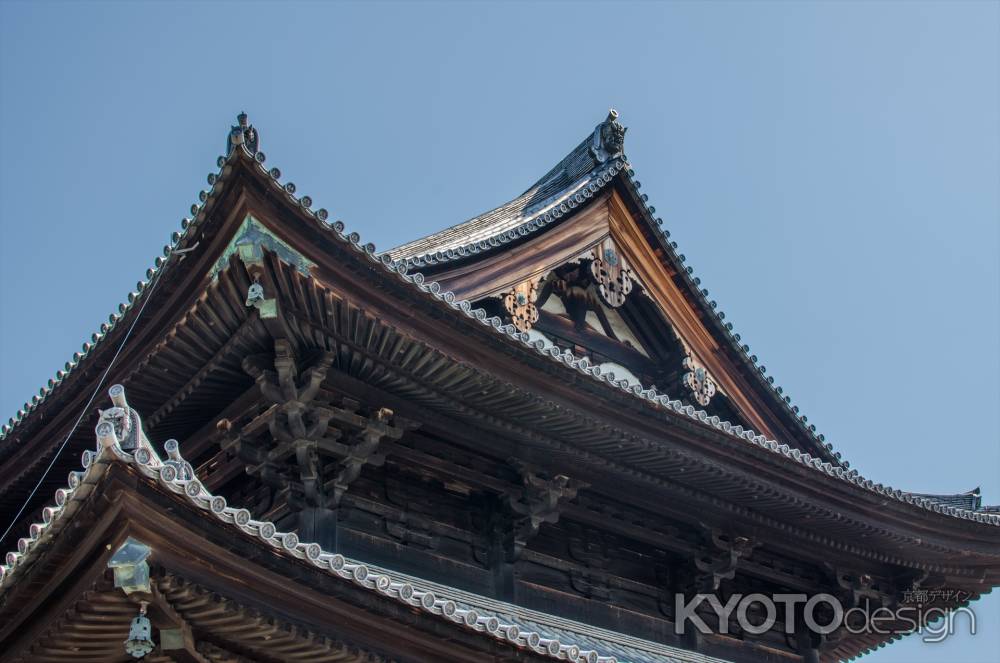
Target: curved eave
(460, 242)
(560, 208)
(475, 615)
(725, 330)
(431, 292)
(238, 522)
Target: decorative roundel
(552, 647)
(354, 238)
(168, 473)
(406, 592)
(572, 652)
(241, 517)
(73, 480)
(322, 214)
(337, 562)
(513, 632)
(49, 514)
(470, 618)
(171, 446)
(218, 504)
(35, 530)
(193, 488)
(22, 545)
(360, 572)
(260, 157)
(290, 187)
(87, 456)
(492, 624)
(266, 530)
(61, 496)
(382, 583)
(275, 173)
(533, 640)
(306, 201)
(591, 656)
(313, 551)
(338, 226)
(105, 429)
(220, 162)
(12, 559)
(427, 600)
(448, 608)
(290, 541)
(142, 456)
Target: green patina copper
(130, 566)
(249, 243)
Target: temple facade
(530, 436)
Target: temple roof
(593, 165)
(426, 299)
(541, 633)
(418, 286)
(971, 500)
(586, 167)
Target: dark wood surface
(657, 484)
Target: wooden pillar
(320, 525)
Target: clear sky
(830, 170)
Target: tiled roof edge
(133, 300)
(582, 365)
(177, 476)
(545, 217)
(549, 211)
(733, 338)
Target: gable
(596, 285)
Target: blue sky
(830, 169)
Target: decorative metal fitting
(140, 641)
(698, 381)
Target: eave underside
(485, 388)
(428, 385)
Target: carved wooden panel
(520, 304)
(611, 273)
(698, 381)
(648, 267)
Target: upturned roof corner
(278, 397)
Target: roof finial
(243, 133)
(609, 138)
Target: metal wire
(100, 383)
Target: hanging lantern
(130, 566)
(139, 641)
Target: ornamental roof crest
(243, 133)
(609, 138)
